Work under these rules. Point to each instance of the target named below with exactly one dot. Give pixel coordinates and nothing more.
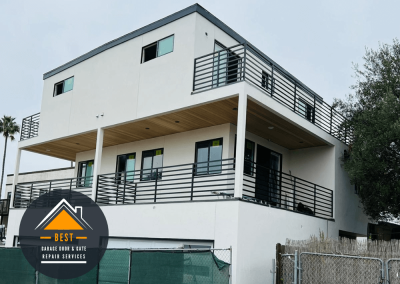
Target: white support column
(15, 177)
(97, 160)
(240, 144)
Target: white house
(187, 134)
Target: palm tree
(9, 128)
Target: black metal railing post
(272, 81)
(218, 66)
(314, 111)
(97, 187)
(192, 183)
(330, 122)
(134, 195)
(295, 94)
(155, 186)
(244, 61)
(315, 198)
(30, 127)
(332, 204)
(116, 195)
(15, 194)
(194, 75)
(294, 193)
(123, 194)
(30, 195)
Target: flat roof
(164, 21)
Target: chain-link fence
(317, 268)
(393, 271)
(330, 269)
(286, 268)
(148, 266)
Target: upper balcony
(30, 127)
(243, 62)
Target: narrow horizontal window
(63, 86)
(158, 48)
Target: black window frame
(159, 177)
(81, 180)
(233, 64)
(59, 83)
(196, 173)
(309, 111)
(118, 174)
(264, 80)
(153, 43)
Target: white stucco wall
(116, 83)
(252, 230)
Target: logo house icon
(64, 217)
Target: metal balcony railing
(26, 193)
(30, 126)
(190, 182)
(265, 185)
(242, 62)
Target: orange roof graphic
(64, 217)
(63, 221)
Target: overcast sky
(316, 41)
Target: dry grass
(367, 248)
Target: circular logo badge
(63, 234)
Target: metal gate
(318, 268)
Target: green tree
(373, 114)
(9, 128)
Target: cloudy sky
(315, 40)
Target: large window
(85, 173)
(158, 48)
(152, 162)
(209, 157)
(126, 167)
(63, 86)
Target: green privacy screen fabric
(114, 267)
(176, 267)
(89, 278)
(14, 268)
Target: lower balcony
(214, 180)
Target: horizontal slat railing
(285, 191)
(30, 126)
(244, 63)
(188, 182)
(26, 193)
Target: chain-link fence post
(296, 259)
(273, 271)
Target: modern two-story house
(187, 134)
